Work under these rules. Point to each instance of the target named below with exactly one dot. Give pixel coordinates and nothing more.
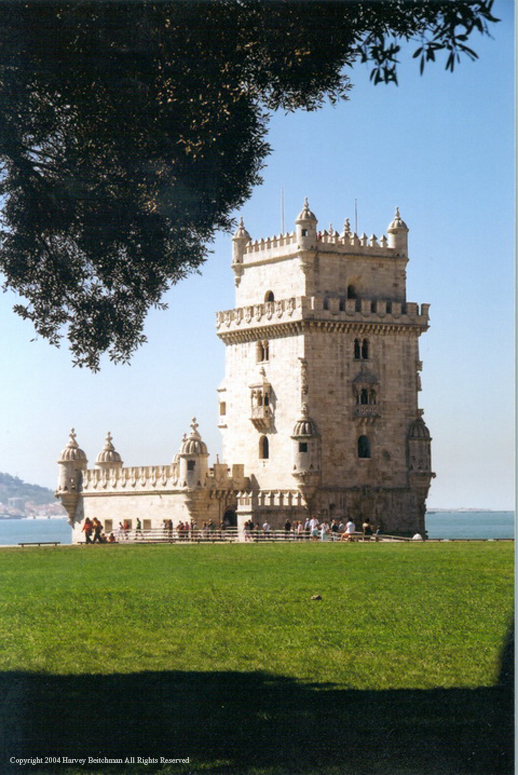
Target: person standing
(313, 528)
(97, 530)
(88, 530)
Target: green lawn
(219, 653)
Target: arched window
(364, 447)
(365, 349)
(264, 448)
(259, 352)
(269, 296)
(266, 399)
(326, 303)
(364, 396)
(357, 353)
(351, 292)
(342, 305)
(266, 350)
(373, 399)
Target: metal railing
(232, 535)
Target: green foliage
(13, 487)
(129, 131)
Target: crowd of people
(316, 529)
(312, 529)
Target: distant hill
(13, 487)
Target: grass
(219, 653)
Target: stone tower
(320, 395)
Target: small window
(304, 232)
(108, 525)
(303, 446)
(364, 447)
(147, 524)
(357, 350)
(364, 396)
(264, 448)
(269, 296)
(266, 399)
(222, 407)
(351, 292)
(373, 399)
(365, 349)
(342, 305)
(326, 303)
(263, 351)
(191, 464)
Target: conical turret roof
(109, 454)
(193, 444)
(398, 223)
(72, 452)
(306, 214)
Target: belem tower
(318, 407)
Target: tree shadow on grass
(241, 723)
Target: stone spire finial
(241, 232)
(108, 457)
(306, 214)
(397, 223)
(72, 451)
(194, 427)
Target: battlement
(158, 478)
(321, 308)
(348, 243)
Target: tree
(129, 131)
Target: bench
(39, 543)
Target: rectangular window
(303, 446)
(222, 408)
(108, 525)
(147, 524)
(190, 465)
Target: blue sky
(439, 146)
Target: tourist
(334, 530)
(111, 539)
(287, 529)
(307, 527)
(138, 529)
(313, 528)
(126, 528)
(97, 530)
(367, 529)
(350, 530)
(120, 532)
(300, 530)
(266, 527)
(88, 530)
(324, 530)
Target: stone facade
(319, 404)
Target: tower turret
(306, 454)
(306, 224)
(72, 462)
(108, 457)
(398, 235)
(239, 241)
(192, 459)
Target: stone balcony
(337, 312)
(262, 417)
